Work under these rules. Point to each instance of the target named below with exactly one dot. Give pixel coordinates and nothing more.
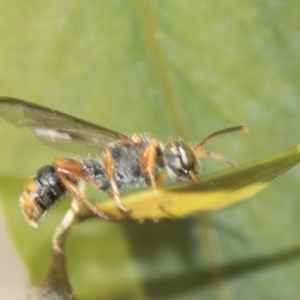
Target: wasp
(122, 159)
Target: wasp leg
(69, 219)
(148, 162)
(71, 171)
(108, 162)
(71, 168)
(160, 179)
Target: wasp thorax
(181, 160)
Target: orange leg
(108, 162)
(71, 168)
(148, 161)
(160, 179)
(71, 171)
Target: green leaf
(171, 68)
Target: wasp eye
(181, 160)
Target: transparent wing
(55, 128)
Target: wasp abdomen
(41, 193)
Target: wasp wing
(55, 128)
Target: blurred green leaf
(170, 68)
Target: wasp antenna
(220, 132)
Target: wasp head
(181, 160)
